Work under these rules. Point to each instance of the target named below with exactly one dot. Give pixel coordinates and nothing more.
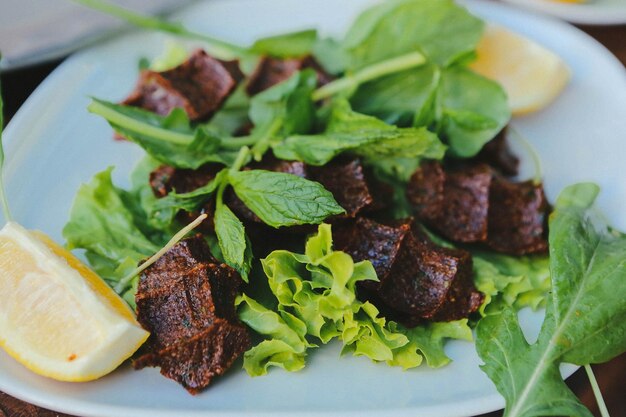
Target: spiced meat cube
(200, 85)
(186, 301)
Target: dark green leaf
(363, 135)
(232, 239)
(473, 110)
(295, 44)
(169, 139)
(102, 224)
(281, 199)
(331, 55)
(164, 209)
(441, 30)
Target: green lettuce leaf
(511, 281)
(315, 298)
(585, 320)
(106, 226)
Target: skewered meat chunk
(271, 71)
(186, 301)
(419, 281)
(200, 85)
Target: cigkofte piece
(199, 86)
(418, 280)
(186, 301)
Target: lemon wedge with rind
(531, 75)
(57, 317)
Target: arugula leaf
(169, 139)
(233, 114)
(294, 44)
(443, 31)
(363, 135)
(233, 242)
(102, 224)
(282, 110)
(330, 54)
(281, 199)
(585, 319)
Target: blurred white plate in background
(593, 12)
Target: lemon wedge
(57, 317)
(531, 75)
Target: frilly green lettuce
(316, 302)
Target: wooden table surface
(18, 85)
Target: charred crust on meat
(186, 301)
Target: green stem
(136, 126)
(3, 195)
(235, 143)
(380, 69)
(242, 158)
(604, 412)
(123, 283)
(217, 47)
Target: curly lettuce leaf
(316, 302)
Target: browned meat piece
(497, 154)
(472, 204)
(271, 71)
(199, 85)
(165, 179)
(365, 239)
(186, 301)
(457, 209)
(518, 217)
(346, 180)
(419, 281)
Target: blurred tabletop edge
(17, 86)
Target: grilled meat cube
(200, 85)
(271, 71)
(165, 179)
(186, 301)
(419, 281)
(518, 217)
(453, 203)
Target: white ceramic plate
(54, 145)
(593, 12)
(35, 31)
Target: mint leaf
(105, 226)
(585, 319)
(443, 31)
(233, 242)
(281, 199)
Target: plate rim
(49, 85)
